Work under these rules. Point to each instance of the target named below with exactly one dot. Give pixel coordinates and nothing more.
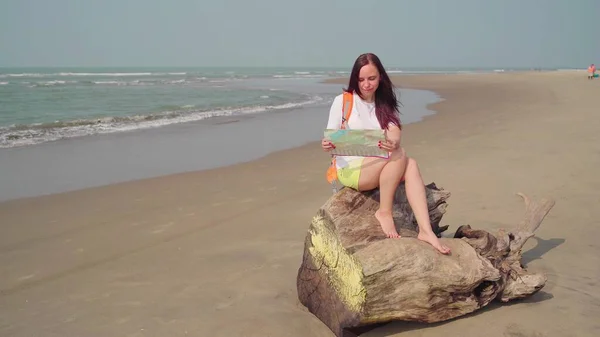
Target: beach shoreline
(98, 160)
(21, 163)
(194, 252)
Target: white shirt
(362, 117)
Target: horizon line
(292, 66)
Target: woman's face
(368, 81)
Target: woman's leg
(387, 174)
(415, 193)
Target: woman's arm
(335, 114)
(393, 135)
(334, 122)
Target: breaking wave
(20, 135)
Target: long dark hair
(386, 103)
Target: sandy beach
(216, 252)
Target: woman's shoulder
(340, 97)
(337, 100)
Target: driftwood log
(352, 277)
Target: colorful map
(356, 142)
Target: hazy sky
(409, 33)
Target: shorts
(349, 175)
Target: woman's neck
(369, 99)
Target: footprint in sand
(26, 277)
(243, 201)
(162, 228)
(223, 305)
(229, 301)
(517, 330)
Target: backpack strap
(347, 104)
(346, 108)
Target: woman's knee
(412, 166)
(412, 162)
(399, 153)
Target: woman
(375, 107)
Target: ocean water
(39, 105)
(82, 150)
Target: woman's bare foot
(387, 223)
(434, 241)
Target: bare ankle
(386, 221)
(426, 229)
(384, 211)
(426, 233)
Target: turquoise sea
(67, 129)
(44, 104)
(38, 105)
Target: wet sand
(215, 252)
(90, 161)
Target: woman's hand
(389, 145)
(392, 139)
(327, 145)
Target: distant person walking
(591, 71)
